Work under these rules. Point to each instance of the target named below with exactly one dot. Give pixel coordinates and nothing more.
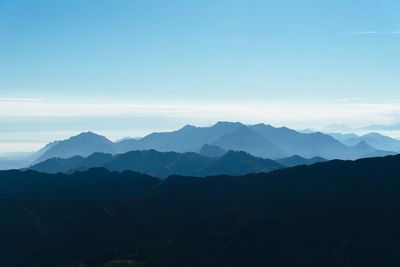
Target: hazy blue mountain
(259, 140)
(363, 148)
(376, 140)
(188, 138)
(13, 163)
(163, 164)
(302, 144)
(83, 144)
(297, 160)
(55, 165)
(238, 163)
(382, 127)
(211, 151)
(344, 137)
(248, 140)
(308, 130)
(338, 128)
(19, 160)
(35, 156)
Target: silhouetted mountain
(211, 151)
(297, 160)
(83, 144)
(163, 164)
(335, 213)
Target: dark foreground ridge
(336, 213)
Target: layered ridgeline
(259, 140)
(376, 140)
(164, 164)
(336, 213)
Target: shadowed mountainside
(297, 160)
(83, 144)
(336, 213)
(163, 164)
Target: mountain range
(164, 164)
(335, 213)
(376, 140)
(259, 140)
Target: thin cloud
(284, 113)
(20, 99)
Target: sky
(129, 67)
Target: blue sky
(92, 63)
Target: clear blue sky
(66, 51)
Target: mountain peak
(88, 133)
(362, 143)
(263, 125)
(364, 147)
(188, 127)
(226, 123)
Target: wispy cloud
(20, 99)
(282, 113)
(376, 32)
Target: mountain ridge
(334, 213)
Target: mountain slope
(162, 164)
(305, 145)
(189, 138)
(259, 140)
(245, 139)
(211, 151)
(297, 160)
(83, 144)
(335, 213)
(376, 140)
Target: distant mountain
(382, 127)
(344, 137)
(83, 145)
(259, 140)
(19, 160)
(297, 160)
(338, 128)
(376, 140)
(305, 145)
(246, 139)
(187, 139)
(163, 164)
(363, 148)
(211, 151)
(335, 213)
